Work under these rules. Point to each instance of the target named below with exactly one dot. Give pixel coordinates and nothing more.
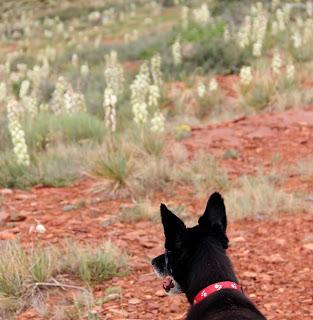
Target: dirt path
(273, 258)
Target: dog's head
(187, 248)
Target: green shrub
(59, 166)
(114, 163)
(141, 210)
(258, 196)
(13, 175)
(94, 265)
(47, 129)
(56, 167)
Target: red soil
(273, 258)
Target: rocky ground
(273, 258)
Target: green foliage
(220, 56)
(21, 269)
(55, 167)
(259, 96)
(197, 33)
(59, 166)
(13, 175)
(47, 129)
(94, 265)
(114, 163)
(258, 196)
(140, 211)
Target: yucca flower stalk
(158, 123)
(109, 106)
(24, 88)
(202, 15)
(177, 53)
(185, 17)
(245, 76)
(17, 134)
(290, 72)
(213, 85)
(156, 73)
(139, 93)
(309, 8)
(68, 101)
(114, 73)
(226, 34)
(201, 89)
(75, 59)
(140, 111)
(154, 96)
(297, 40)
(84, 70)
(276, 63)
(245, 32)
(3, 91)
(58, 95)
(30, 105)
(280, 20)
(80, 104)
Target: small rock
(274, 258)
(7, 236)
(308, 246)
(4, 217)
(249, 274)
(134, 301)
(69, 207)
(160, 293)
(6, 191)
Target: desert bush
(151, 175)
(61, 165)
(56, 167)
(115, 163)
(48, 129)
(13, 175)
(141, 210)
(23, 272)
(203, 173)
(258, 197)
(259, 96)
(94, 265)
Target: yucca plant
(114, 163)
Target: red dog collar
(214, 288)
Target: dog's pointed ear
(214, 218)
(174, 228)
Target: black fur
(196, 257)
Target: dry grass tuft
(259, 197)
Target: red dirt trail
(273, 258)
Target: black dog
(195, 263)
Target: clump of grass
(141, 210)
(94, 265)
(259, 96)
(203, 173)
(152, 175)
(259, 197)
(61, 165)
(230, 154)
(114, 163)
(23, 272)
(57, 167)
(43, 264)
(47, 129)
(153, 143)
(12, 174)
(303, 168)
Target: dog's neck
(213, 266)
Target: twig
(58, 284)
